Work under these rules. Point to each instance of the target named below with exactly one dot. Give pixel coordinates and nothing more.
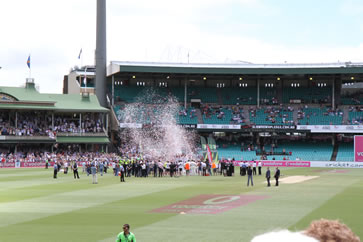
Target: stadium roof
(30, 98)
(236, 69)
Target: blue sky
(211, 31)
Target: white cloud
(351, 7)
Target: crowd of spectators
(358, 118)
(324, 112)
(272, 101)
(191, 114)
(59, 156)
(237, 115)
(40, 124)
(272, 114)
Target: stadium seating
(345, 152)
(307, 94)
(131, 94)
(304, 151)
(268, 96)
(355, 117)
(205, 94)
(189, 118)
(351, 101)
(217, 116)
(234, 151)
(242, 96)
(271, 116)
(320, 116)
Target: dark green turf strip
(346, 206)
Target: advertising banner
(273, 127)
(218, 126)
(336, 164)
(286, 163)
(358, 148)
(331, 128)
(131, 125)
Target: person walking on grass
(94, 173)
(250, 176)
(277, 176)
(126, 235)
(268, 176)
(55, 170)
(75, 170)
(122, 174)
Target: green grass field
(36, 207)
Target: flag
(80, 53)
(85, 81)
(28, 62)
(209, 154)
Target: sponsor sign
(295, 100)
(209, 204)
(131, 125)
(336, 164)
(331, 128)
(7, 164)
(358, 148)
(26, 164)
(273, 126)
(188, 126)
(32, 164)
(218, 126)
(286, 163)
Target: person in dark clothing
(58, 166)
(223, 168)
(55, 171)
(268, 176)
(75, 170)
(277, 176)
(244, 169)
(172, 168)
(250, 176)
(155, 169)
(161, 169)
(122, 175)
(129, 170)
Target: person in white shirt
(259, 168)
(66, 167)
(254, 168)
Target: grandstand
(30, 118)
(249, 101)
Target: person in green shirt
(126, 235)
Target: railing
(28, 137)
(239, 64)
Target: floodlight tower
(101, 53)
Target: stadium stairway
(219, 96)
(279, 95)
(335, 153)
(345, 114)
(294, 115)
(199, 116)
(246, 115)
